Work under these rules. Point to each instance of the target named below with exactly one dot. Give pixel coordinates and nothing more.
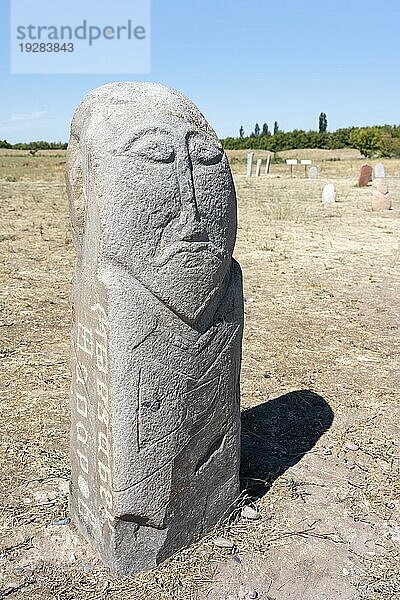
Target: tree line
(379, 140)
(34, 146)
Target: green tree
(367, 140)
(256, 130)
(265, 130)
(276, 127)
(241, 132)
(323, 123)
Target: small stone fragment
(87, 568)
(253, 594)
(250, 513)
(221, 542)
(350, 465)
(63, 486)
(19, 570)
(64, 521)
(351, 446)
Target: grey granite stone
(249, 163)
(313, 173)
(328, 194)
(379, 171)
(157, 325)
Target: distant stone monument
(365, 176)
(381, 199)
(379, 171)
(249, 163)
(157, 325)
(313, 173)
(258, 167)
(329, 194)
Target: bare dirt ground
(320, 397)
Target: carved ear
(76, 192)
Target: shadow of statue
(277, 434)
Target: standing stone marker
(157, 325)
(267, 164)
(313, 173)
(249, 163)
(328, 194)
(379, 171)
(365, 175)
(258, 167)
(381, 199)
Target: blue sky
(241, 61)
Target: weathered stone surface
(380, 185)
(157, 325)
(249, 163)
(381, 199)
(267, 164)
(379, 171)
(258, 167)
(365, 176)
(313, 172)
(328, 194)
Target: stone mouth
(186, 247)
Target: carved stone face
(167, 196)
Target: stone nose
(193, 231)
(190, 225)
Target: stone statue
(157, 325)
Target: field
(320, 395)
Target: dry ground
(320, 395)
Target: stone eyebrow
(145, 130)
(136, 135)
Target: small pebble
(221, 542)
(345, 571)
(63, 486)
(19, 570)
(252, 594)
(352, 446)
(39, 566)
(28, 573)
(87, 568)
(62, 521)
(350, 465)
(250, 513)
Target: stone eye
(206, 154)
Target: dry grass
(322, 321)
